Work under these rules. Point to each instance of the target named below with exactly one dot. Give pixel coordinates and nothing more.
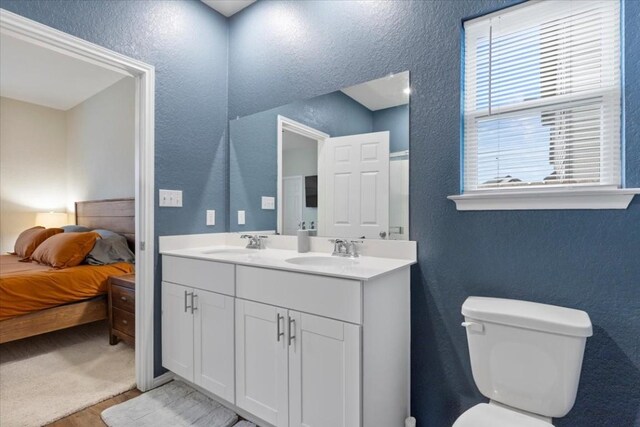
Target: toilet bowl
(526, 358)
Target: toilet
(526, 358)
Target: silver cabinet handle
(193, 302)
(123, 298)
(186, 306)
(292, 329)
(279, 333)
(124, 321)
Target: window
(542, 100)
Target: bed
(66, 297)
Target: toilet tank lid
(530, 315)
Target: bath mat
(173, 404)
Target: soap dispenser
(303, 239)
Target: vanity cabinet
(296, 369)
(291, 349)
(198, 326)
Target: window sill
(618, 198)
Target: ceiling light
(407, 90)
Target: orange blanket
(28, 287)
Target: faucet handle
(246, 236)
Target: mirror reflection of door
(299, 168)
(357, 185)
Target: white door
(292, 191)
(214, 343)
(356, 169)
(324, 372)
(261, 361)
(177, 330)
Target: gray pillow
(110, 250)
(75, 229)
(105, 234)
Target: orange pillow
(65, 250)
(31, 238)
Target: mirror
(336, 165)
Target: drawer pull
(123, 298)
(124, 321)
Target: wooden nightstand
(122, 309)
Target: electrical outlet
(211, 217)
(268, 203)
(240, 217)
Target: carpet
(173, 404)
(50, 376)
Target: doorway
(143, 74)
(297, 182)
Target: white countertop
(361, 268)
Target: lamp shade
(51, 219)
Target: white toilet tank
(526, 355)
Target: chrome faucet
(255, 241)
(345, 248)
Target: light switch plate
(268, 202)
(211, 217)
(170, 198)
(240, 217)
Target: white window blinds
(542, 96)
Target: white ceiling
(379, 94)
(228, 7)
(33, 74)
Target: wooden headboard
(117, 215)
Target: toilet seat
(493, 415)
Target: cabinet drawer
(124, 322)
(123, 298)
(325, 296)
(207, 275)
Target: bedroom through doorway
(73, 213)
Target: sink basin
(231, 251)
(320, 261)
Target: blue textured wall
(283, 51)
(187, 43)
(253, 167)
(396, 121)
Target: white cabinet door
(214, 343)
(177, 330)
(356, 173)
(261, 361)
(324, 372)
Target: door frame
(290, 125)
(144, 74)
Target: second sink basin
(320, 261)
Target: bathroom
(212, 72)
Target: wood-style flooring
(90, 417)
